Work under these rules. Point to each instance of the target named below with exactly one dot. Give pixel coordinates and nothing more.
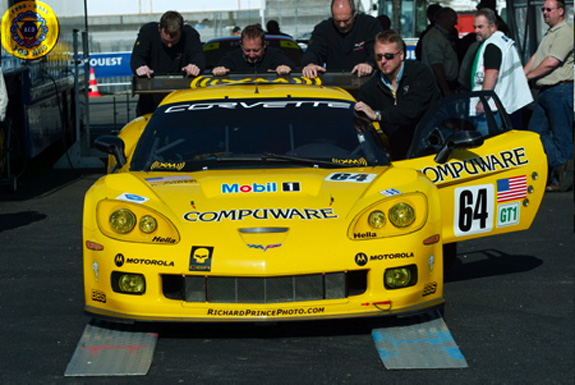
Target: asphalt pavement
(510, 308)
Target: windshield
(217, 134)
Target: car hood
(314, 193)
(260, 211)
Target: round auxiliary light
(401, 215)
(396, 278)
(148, 224)
(122, 221)
(132, 283)
(376, 219)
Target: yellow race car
(266, 202)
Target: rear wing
(169, 83)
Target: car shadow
(39, 177)
(40, 183)
(23, 218)
(284, 329)
(492, 263)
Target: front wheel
(449, 255)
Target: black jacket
(149, 50)
(270, 60)
(341, 52)
(417, 91)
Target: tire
(449, 255)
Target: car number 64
(473, 210)
(350, 177)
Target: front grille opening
(172, 286)
(356, 282)
(293, 288)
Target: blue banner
(109, 65)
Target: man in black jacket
(399, 94)
(167, 47)
(343, 42)
(254, 56)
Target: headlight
(128, 283)
(148, 224)
(401, 215)
(122, 221)
(134, 222)
(390, 217)
(376, 219)
(399, 277)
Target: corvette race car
(267, 201)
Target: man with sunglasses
(167, 47)
(551, 70)
(343, 42)
(254, 56)
(398, 94)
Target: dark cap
(487, 4)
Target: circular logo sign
(361, 259)
(119, 260)
(30, 30)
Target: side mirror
(458, 140)
(112, 145)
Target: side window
(478, 111)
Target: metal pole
(262, 11)
(115, 113)
(77, 107)
(86, 59)
(86, 15)
(396, 9)
(127, 108)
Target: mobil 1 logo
(291, 186)
(473, 210)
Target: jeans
(553, 119)
(482, 127)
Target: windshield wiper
(272, 156)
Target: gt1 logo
(508, 214)
(473, 210)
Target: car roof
(215, 49)
(257, 90)
(236, 38)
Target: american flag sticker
(510, 189)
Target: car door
(491, 179)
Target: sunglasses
(387, 56)
(544, 9)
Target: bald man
(344, 42)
